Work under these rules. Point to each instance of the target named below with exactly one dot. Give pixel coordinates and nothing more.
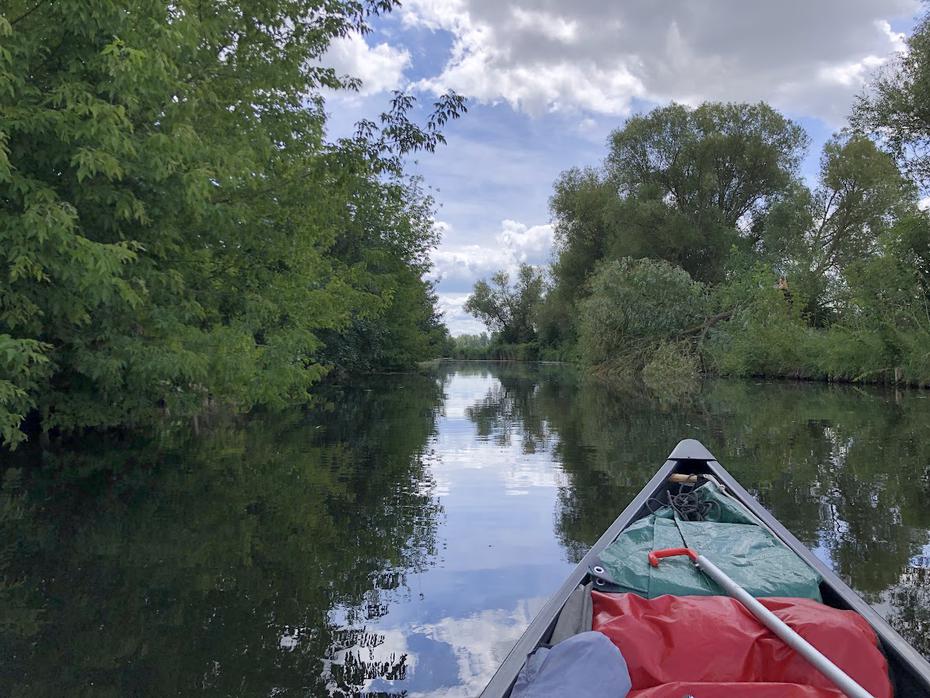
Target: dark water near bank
(401, 538)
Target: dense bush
(633, 307)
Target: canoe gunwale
(690, 457)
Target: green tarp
(730, 538)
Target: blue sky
(547, 82)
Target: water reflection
(211, 564)
(845, 469)
(400, 538)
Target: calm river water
(400, 538)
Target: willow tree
(639, 311)
(688, 186)
(815, 235)
(679, 184)
(169, 206)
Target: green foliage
(718, 162)
(23, 365)
(481, 347)
(743, 269)
(897, 107)
(175, 230)
(816, 235)
(386, 242)
(580, 205)
(683, 185)
(879, 333)
(688, 186)
(633, 307)
(509, 310)
(471, 346)
(765, 345)
(556, 318)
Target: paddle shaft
(839, 677)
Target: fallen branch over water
(703, 327)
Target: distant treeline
(482, 347)
(176, 230)
(697, 246)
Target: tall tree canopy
(813, 236)
(683, 185)
(711, 199)
(173, 224)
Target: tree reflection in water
(269, 557)
(213, 563)
(845, 469)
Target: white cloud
(457, 320)
(467, 263)
(480, 643)
(551, 26)
(380, 67)
(526, 244)
(545, 55)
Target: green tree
(170, 214)
(509, 309)
(471, 346)
(897, 107)
(683, 185)
(814, 236)
(634, 307)
(385, 241)
(718, 162)
(828, 282)
(579, 205)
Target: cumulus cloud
(457, 267)
(526, 244)
(516, 243)
(546, 55)
(380, 67)
(457, 320)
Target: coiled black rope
(687, 503)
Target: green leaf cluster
(634, 306)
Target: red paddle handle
(655, 555)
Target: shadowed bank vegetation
(697, 246)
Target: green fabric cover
(744, 550)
